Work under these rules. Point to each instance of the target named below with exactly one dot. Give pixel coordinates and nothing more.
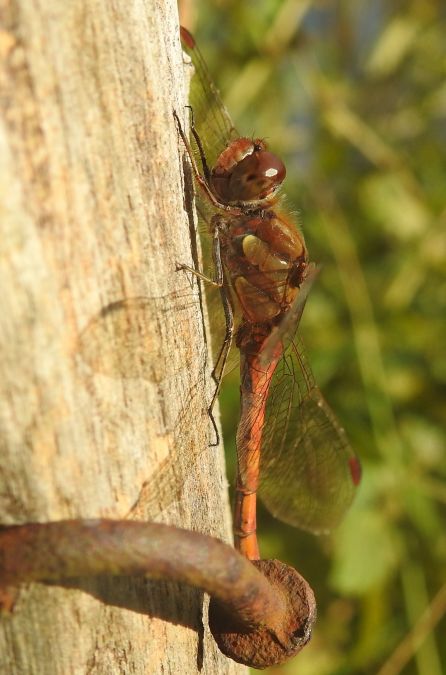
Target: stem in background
(255, 618)
(415, 637)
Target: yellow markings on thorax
(258, 253)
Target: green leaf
(367, 550)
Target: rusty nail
(261, 612)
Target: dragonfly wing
(215, 129)
(211, 119)
(308, 472)
(218, 329)
(287, 328)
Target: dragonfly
(291, 450)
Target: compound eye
(271, 167)
(256, 177)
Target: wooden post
(104, 365)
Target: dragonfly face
(247, 174)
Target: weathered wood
(104, 368)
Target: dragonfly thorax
(247, 172)
(265, 257)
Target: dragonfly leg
(203, 181)
(222, 358)
(197, 273)
(220, 364)
(219, 281)
(194, 132)
(218, 370)
(226, 345)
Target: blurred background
(352, 96)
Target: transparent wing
(122, 342)
(215, 130)
(213, 300)
(212, 121)
(308, 471)
(287, 328)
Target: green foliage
(352, 95)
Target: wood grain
(104, 364)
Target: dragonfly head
(247, 172)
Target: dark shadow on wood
(169, 601)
